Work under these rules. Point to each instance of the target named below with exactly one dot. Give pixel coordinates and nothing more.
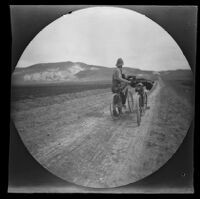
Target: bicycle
(142, 105)
(132, 100)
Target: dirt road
(78, 141)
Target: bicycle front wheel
(130, 102)
(138, 111)
(145, 100)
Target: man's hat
(119, 62)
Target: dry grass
(28, 104)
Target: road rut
(78, 141)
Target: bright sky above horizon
(100, 35)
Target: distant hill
(77, 72)
(69, 72)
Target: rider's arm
(119, 77)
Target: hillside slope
(69, 72)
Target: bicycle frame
(133, 101)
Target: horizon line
(100, 66)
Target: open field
(47, 90)
(183, 88)
(74, 137)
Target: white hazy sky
(100, 35)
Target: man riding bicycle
(119, 83)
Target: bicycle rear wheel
(116, 107)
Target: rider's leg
(125, 96)
(115, 101)
(114, 90)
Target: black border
(185, 46)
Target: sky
(100, 35)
